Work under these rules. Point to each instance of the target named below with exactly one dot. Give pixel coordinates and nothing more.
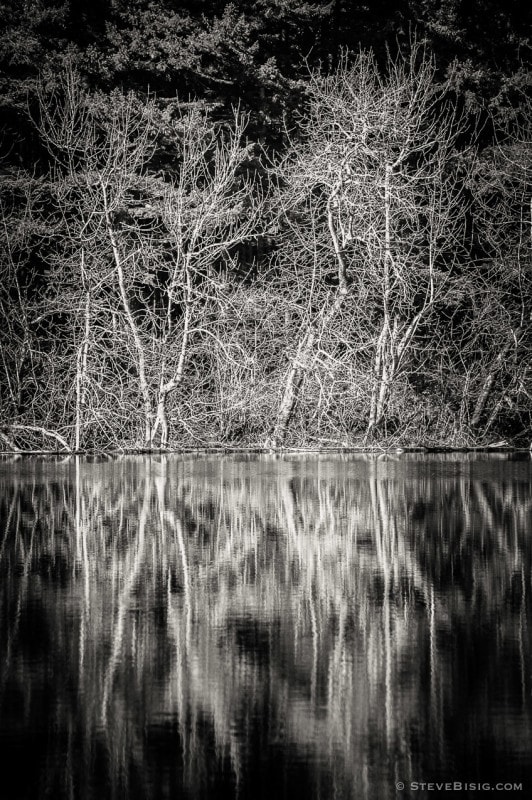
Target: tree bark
(301, 362)
(487, 386)
(81, 365)
(141, 358)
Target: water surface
(265, 627)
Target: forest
(265, 224)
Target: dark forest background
(271, 222)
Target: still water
(265, 627)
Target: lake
(328, 626)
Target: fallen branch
(9, 443)
(38, 429)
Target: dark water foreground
(270, 627)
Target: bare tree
(140, 251)
(375, 182)
(209, 210)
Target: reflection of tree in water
(201, 623)
(472, 544)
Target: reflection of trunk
(487, 386)
(83, 529)
(386, 545)
(129, 568)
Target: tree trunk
(298, 368)
(292, 384)
(392, 346)
(487, 386)
(166, 388)
(141, 358)
(81, 366)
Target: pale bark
(487, 385)
(300, 365)
(139, 347)
(81, 364)
(38, 429)
(167, 387)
